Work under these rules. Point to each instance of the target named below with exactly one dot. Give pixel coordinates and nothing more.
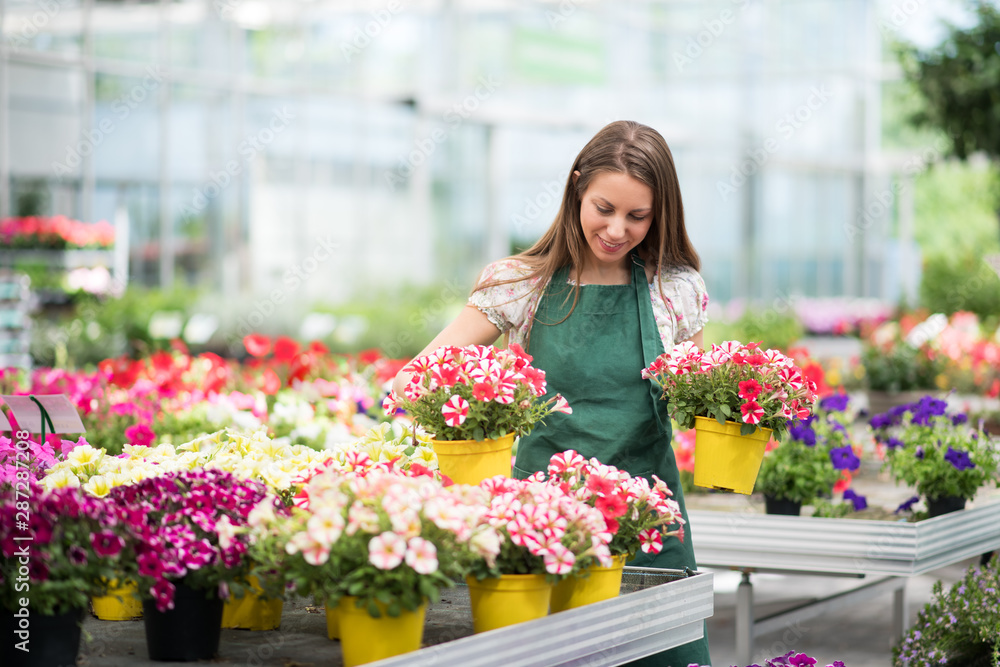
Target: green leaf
(747, 429)
(726, 410)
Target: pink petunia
(483, 391)
(421, 555)
(455, 411)
(562, 405)
(752, 412)
(559, 559)
(386, 551)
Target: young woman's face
(615, 213)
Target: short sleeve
(510, 304)
(680, 304)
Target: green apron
(594, 358)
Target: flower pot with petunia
(187, 535)
(639, 515)
(735, 396)
(937, 453)
(376, 544)
(546, 534)
(475, 400)
(817, 457)
(58, 549)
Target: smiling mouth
(610, 247)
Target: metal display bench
(613, 632)
(884, 552)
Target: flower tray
(667, 609)
(71, 258)
(845, 546)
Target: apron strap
(652, 344)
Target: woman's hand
(471, 327)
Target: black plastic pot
(53, 641)
(188, 632)
(782, 506)
(945, 505)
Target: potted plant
(378, 544)
(475, 400)
(970, 633)
(937, 453)
(58, 549)
(898, 373)
(638, 516)
(187, 541)
(809, 463)
(735, 395)
(546, 533)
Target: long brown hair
(624, 147)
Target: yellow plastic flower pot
(472, 461)
(724, 459)
(364, 639)
(513, 598)
(251, 612)
(122, 602)
(332, 622)
(601, 583)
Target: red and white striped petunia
(651, 541)
(455, 411)
(752, 412)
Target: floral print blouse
(680, 312)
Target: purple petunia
(843, 458)
(835, 402)
(907, 505)
(959, 459)
(893, 443)
(803, 433)
(919, 453)
(859, 501)
(959, 419)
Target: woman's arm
(698, 339)
(471, 327)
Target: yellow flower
(98, 486)
(60, 479)
(84, 456)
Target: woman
(611, 285)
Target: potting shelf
(653, 618)
(885, 552)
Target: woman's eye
(603, 211)
(638, 218)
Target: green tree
(959, 81)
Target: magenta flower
(140, 434)
(197, 555)
(106, 544)
(149, 565)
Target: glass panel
(52, 26)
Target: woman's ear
(576, 176)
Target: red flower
(611, 506)
(749, 389)
(367, 357)
(285, 348)
(257, 345)
(271, 383)
(752, 412)
(455, 411)
(483, 391)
